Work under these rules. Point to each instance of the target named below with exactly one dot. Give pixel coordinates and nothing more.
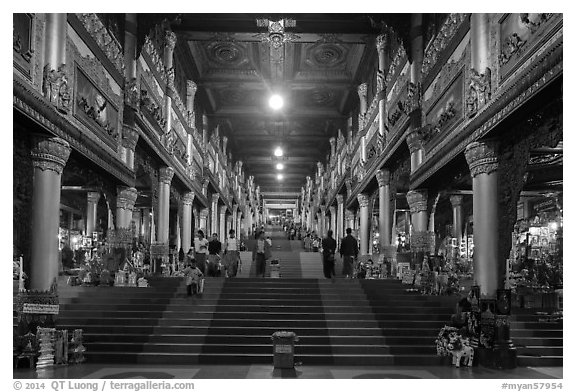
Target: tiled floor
(93, 371)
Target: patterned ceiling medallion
(326, 55)
(321, 98)
(229, 54)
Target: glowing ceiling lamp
(276, 102)
(279, 166)
(280, 177)
(278, 152)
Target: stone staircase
(539, 343)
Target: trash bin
(275, 269)
(283, 343)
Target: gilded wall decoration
(448, 108)
(22, 39)
(56, 89)
(398, 61)
(106, 41)
(441, 41)
(479, 90)
(518, 37)
(155, 57)
(150, 108)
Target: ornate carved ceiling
(313, 61)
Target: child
(193, 277)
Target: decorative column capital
(339, 199)
(170, 38)
(130, 137)
(322, 208)
(50, 153)
(381, 42)
(204, 213)
(363, 91)
(93, 197)
(126, 197)
(223, 210)
(482, 157)
(363, 200)
(349, 215)
(332, 210)
(332, 141)
(456, 200)
(215, 198)
(417, 200)
(205, 183)
(188, 198)
(192, 87)
(166, 174)
(415, 141)
(383, 177)
(235, 208)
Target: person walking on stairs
(193, 279)
(328, 256)
(260, 254)
(214, 249)
(232, 260)
(201, 250)
(349, 252)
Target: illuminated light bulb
(280, 177)
(276, 102)
(279, 166)
(278, 152)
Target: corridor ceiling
(314, 61)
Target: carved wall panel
(150, 107)
(518, 36)
(448, 110)
(23, 43)
(96, 97)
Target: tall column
(165, 178)
(322, 221)
(480, 41)
(214, 214)
(416, 147)
(418, 202)
(332, 141)
(457, 217)
(350, 218)
(362, 94)
(364, 237)
(235, 219)
(203, 223)
(381, 41)
(417, 47)
(222, 232)
(384, 221)
(125, 199)
(129, 140)
(49, 156)
(483, 162)
(187, 201)
(146, 219)
(196, 212)
(170, 40)
(340, 220)
(55, 86)
(91, 208)
(131, 92)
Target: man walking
(349, 251)
(328, 258)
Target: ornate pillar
(332, 141)
(340, 218)
(203, 224)
(479, 90)
(165, 178)
(322, 221)
(333, 220)
(129, 140)
(196, 212)
(125, 200)
(55, 82)
(235, 219)
(482, 159)
(204, 130)
(350, 219)
(187, 200)
(49, 156)
(91, 208)
(214, 215)
(170, 40)
(416, 147)
(384, 221)
(362, 94)
(222, 231)
(417, 47)
(457, 217)
(381, 41)
(364, 236)
(418, 202)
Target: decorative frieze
(399, 59)
(50, 154)
(441, 41)
(155, 57)
(165, 175)
(104, 39)
(339, 199)
(415, 141)
(383, 177)
(417, 200)
(55, 88)
(148, 105)
(126, 197)
(132, 93)
(482, 157)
